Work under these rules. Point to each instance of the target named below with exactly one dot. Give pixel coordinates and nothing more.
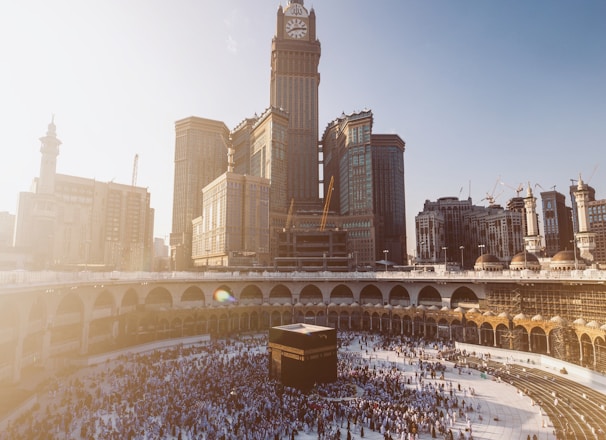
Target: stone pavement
(499, 410)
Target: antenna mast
(135, 169)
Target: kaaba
(302, 355)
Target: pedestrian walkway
(500, 411)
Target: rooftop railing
(16, 279)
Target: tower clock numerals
(296, 28)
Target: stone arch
(332, 319)
(418, 326)
(366, 321)
(310, 318)
(429, 296)
(504, 339)
(396, 324)
(464, 297)
(344, 320)
(371, 294)
(399, 296)
(70, 304)
(321, 318)
(520, 338)
(538, 340)
(104, 302)
(407, 325)
(586, 351)
(287, 317)
(456, 328)
(563, 343)
(431, 327)
(280, 294)
(356, 320)
(67, 325)
(443, 329)
(223, 295)
(299, 315)
(251, 294)
(159, 298)
(471, 332)
(275, 319)
(310, 294)
(129, 302)
(486, 334)
(193, 296)
(341, 294)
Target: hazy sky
(480, 90)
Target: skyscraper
(282, 146)
(200, 157)
(295, 56)
(389, 199)
(557, 222)
(368, 172)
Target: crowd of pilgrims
(221, 390)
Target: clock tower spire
(295, 79)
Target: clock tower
(295, 56)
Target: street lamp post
(461, 248)
(385, 252)
(444, 248)
(481, 247)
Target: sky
(486, 94)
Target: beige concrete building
(69, 222)
(234, 227)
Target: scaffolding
(564, 343)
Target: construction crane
(135, 168)
(518, 190)
(327, 203)
(289, 215)
(490, 197)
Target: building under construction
(313, 251)
(559, 306)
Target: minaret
(585, 239)
(48, 164)
(532, 240)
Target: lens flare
(223, 296)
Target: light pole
(461, 248)
(444, 248)
(385, 252)
(481, 247)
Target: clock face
(296, 28)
